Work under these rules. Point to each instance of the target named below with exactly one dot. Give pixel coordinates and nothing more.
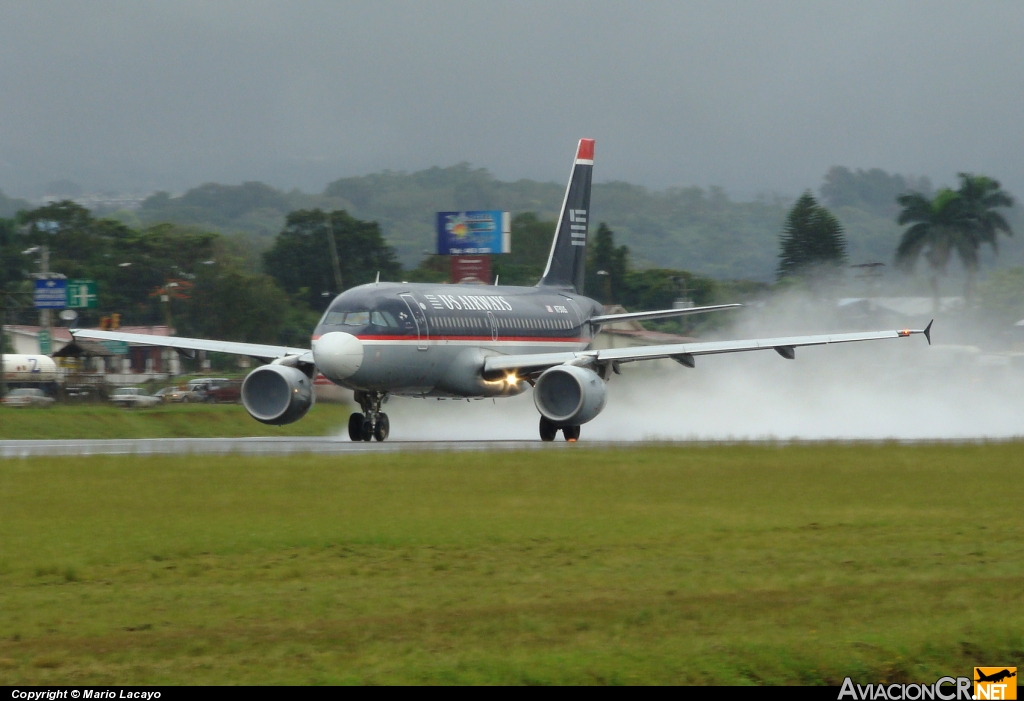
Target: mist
(901, 389)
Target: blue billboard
(474, 233)
(51, 294)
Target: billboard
(471, 270)
(474, 233)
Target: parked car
(224, 391)
(27, 396)
(215, 389)
(202, 382)
(80, 393)
(175, 394)
(130, 397)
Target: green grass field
(164, 421)
(736, 564)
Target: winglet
(928, 331)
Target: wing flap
(784, 346)
(254, 350)
(659, 314)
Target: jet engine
(277, 394)
(568, 395)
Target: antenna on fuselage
(496, 280)
(377, 281)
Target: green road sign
(82, 294)
(116, 347)
(44, 341)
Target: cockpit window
(382, 318)
(334, 318)
(360, 318)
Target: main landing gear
(549, 431)
(372, 423)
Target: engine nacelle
(277, 394)
(568, 395)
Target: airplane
(995, 677)
(469, 341)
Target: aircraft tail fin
(568, 257)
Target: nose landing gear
(372, 423)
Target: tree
(979, 196)
(129, 265)
(812, 240)
(659, 288)
(302, 263)
(11, 260)
(231, 304)
(531, 242)
(603, 256)
(957, 221)
(937, 230)
(251, 206)
(872, 190)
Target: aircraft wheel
(383, 428)
(571, 433)
(548, 430)
(355, 426)
(366, 431)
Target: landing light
(512, 379)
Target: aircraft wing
(659, 314)
(254, 350)
(685, 352)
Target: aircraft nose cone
(338, 355)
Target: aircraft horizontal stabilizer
(253, 350)
(529, 364)
(659, 314)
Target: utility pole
(44, 269)
(607, 285)
(333, 245)
(3, 345)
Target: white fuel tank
(29, 368)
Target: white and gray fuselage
(431, 339)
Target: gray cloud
(752, 96)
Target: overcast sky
(753, 96)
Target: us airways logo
(578, 226)
(995, 683)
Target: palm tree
(979, 196)
(954, 221)
(940, 226)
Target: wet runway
(343, 446)
(255, 446)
